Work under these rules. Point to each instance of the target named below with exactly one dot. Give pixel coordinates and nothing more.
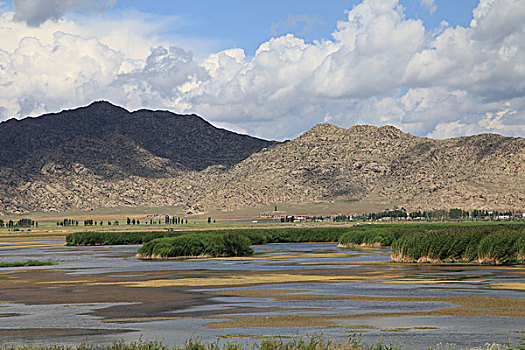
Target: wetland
(97, 295)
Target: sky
(273, 69)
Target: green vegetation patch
(256, 236)
(114, 238)
(500, 244)
(386, 234)
(494, 244)
(27, 263)
(374, 235)
(194, 245)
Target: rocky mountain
(104, 156)
(112, 141)
(329, 163)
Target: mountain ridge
(81, 159)
(162, 133)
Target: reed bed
(496, 244)
(501, 244)
(197, 245)
(256, 236)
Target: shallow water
(99, 295)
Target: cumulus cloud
(36, 12)
(378, 68)
(430, 5)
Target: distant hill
(329, 163)
(105, 156)
(85, 157)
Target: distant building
(274, 215)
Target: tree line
(22, 223)
(438, 215)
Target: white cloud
(430, 5)
(378, 68)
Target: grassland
(242, 218)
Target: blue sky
(247, 24)
(273, 68)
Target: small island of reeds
(495, 245)
(197, 245)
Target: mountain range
(104, 156)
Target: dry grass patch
(140, 319)
(425, 328)
(251, 336)
(10, 246)
(508, 285)
(224, 281)
(396, 330)
(283, 257)
(466, 306)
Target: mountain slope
(329, 163)
(103, 156)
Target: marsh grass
(195, 245)
(500, 244)
(27, 263)
(495, 244)
(256, 236)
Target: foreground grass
(27, 263)
(313, 343)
